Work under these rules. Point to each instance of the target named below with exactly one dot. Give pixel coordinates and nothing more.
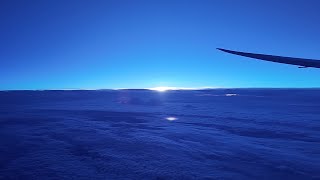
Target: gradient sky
(76, 44)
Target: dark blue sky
(58, 44)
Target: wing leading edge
(279, 59)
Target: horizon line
(154, 89)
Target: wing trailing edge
(303, 63)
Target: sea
(145, 134)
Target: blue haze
(81, 44)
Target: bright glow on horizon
(167, 88)
(162, 88)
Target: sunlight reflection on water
(171, 118)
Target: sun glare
(167, 88)
(161, 89)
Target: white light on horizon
(162, 88)
(168, 88)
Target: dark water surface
(140, 134)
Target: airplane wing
(303, 63)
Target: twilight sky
(77, 44)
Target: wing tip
(224, 50)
